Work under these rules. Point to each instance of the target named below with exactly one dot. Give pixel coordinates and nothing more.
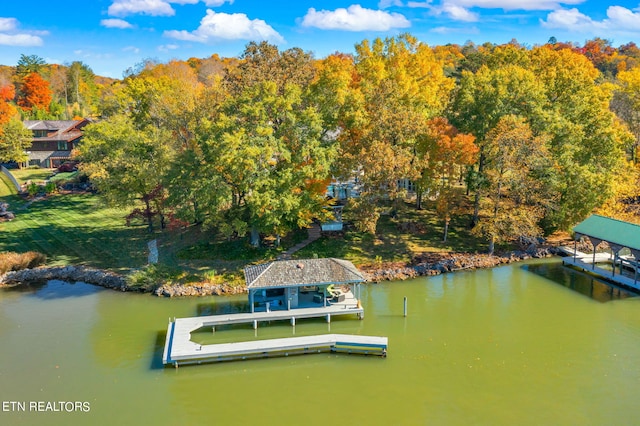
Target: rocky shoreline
(436, 264)
(433, 264)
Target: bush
(33, 189)
(50, 188)
(152, 276)
(10, 261)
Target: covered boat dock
(619, 235)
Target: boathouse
(619, 235)
(302, 283)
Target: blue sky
(112, 35)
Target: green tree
(266, 150)
(127, 164)
(15, 140)
(28, 64)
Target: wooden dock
(587, 262)
(179, 349)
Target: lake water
(525, 344)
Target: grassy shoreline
(77, 229)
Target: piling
(405, 306)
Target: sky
(113, 35)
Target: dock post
(255, 324)
(213, 329)
(329, 318)
(293, 321)
(268, 306)
(405, 306)
(289, 304)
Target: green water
(511, 345)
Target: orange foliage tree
(35, 93)
(7, 93)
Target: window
(62, 146)
(39, 133)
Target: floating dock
(179, 349)
(587, 263)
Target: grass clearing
(36, 175)
(6, 186)
(78, 229)
(75, 229)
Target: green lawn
(6, 187)
(74, 229)
(78, 229)
(37, 175)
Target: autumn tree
(400, 84)
(442, 155)
(7, 110)
(515, 194)
(35, 93)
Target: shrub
(11, 261)
(50, 188)
(152, 276)
(33, 189)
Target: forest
(525, 140)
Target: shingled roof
(301, 272)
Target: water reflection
(54, 289)
(580, 282)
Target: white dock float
(179, 349)
(194, 353)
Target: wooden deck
(179, 347)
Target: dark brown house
(53, 140)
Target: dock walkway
(180, 348)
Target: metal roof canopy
(614, 231)
(301, 272)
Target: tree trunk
(148, 215)
(255, 237)
(476, 201)
(277, 240)
(419, 199)
(446, 230)
(492, 243)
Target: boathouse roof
(624, 234)
(301, 272)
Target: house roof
(614, 231)
(57, 130)
(301, 272)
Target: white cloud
(618, 19)
(20, 40)
(155, 7)
(115, 23)
(9, 36)
(167, 47)
(383, 4)
(354, 18)
(131, 49)
(224, 26)
(514, 4)
(145, 7)
(216, 3)
(424, 4)
(8, 24)
(459, 13)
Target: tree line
(536, 138)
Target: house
(302, 283)
(53, 140)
